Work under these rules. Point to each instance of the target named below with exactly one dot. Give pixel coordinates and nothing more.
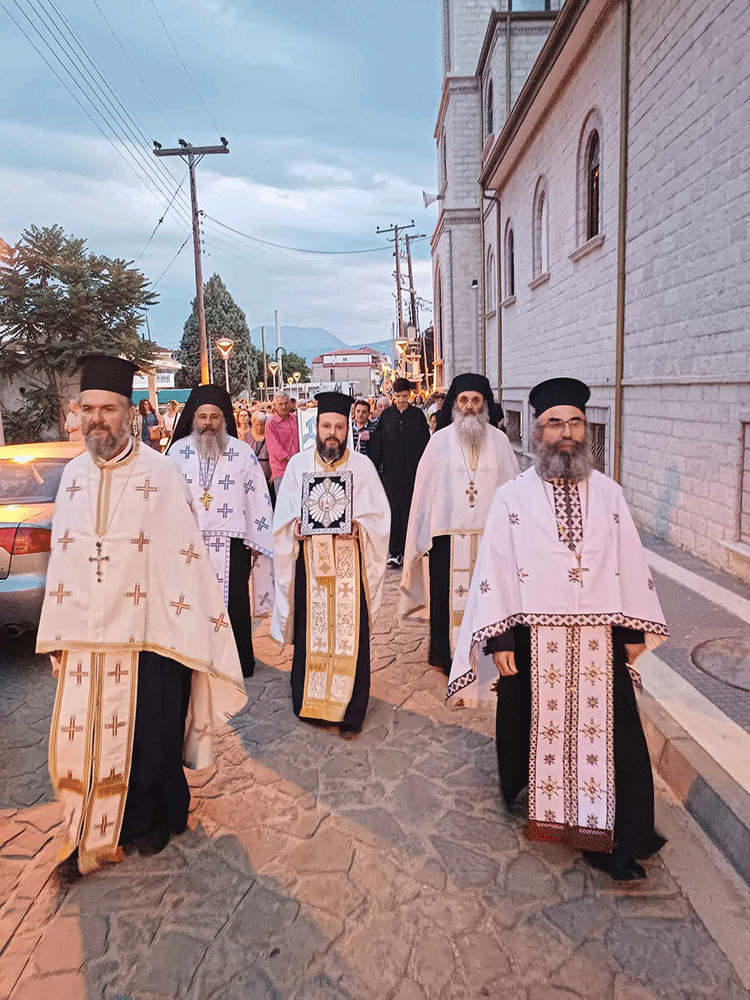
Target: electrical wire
(282, 246)
(177, 190)
(146, 87)
(171, 262)
(182, 63)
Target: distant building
(600, 204)
(361, 367)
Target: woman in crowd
(170, 417)
(244, 430)
(257, 442)
(150, 425)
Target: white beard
(211, 445)
(471, 427)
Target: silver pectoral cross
(581, 569)
(99, 559)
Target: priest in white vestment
(233, 507)
(462, 466)
(561, 604)
(329, 587)
(138, 632)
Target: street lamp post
(225, 346)
(273, 367)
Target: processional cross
(99, 559)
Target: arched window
(592, 186)
(490, 109)
(540, 230)
(444, 159)
(490, 288)
(510, 262)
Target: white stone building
(358, 366)
(607, 144)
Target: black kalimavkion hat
(334, 402)
(559, 392)
(102, 371)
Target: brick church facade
(594, 171)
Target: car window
(25, 479)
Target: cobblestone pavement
(319, 869)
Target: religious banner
(307, 421)
(326, 503)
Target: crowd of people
(534, 584)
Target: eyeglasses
(575, 423)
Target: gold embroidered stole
(571, 764)
(464, 548)
(90, 751)
(333, 620)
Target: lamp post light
(225, 346)
(260, 391)
(296, 376)
(401, 344)
(273, 367)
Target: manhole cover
(728, 660)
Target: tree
(292, 362)
(224, 318)
(58, 303)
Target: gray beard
(327, 452)
(103, 449)
(574, 466)
(211, 445)
(471, 427)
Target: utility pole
(189, 153)
(396, 230)
(409, 239)
(265, 362)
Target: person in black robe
(396, 448)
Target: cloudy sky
(329, 107)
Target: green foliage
(58, 303)
(292, 362)
(224, 318)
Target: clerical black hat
(468, 382)
(403, 385)
(559, 392)
(334, 402)
(101, 371)
(202, 394)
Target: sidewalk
(698, 726)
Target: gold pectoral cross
(581, 569)
(99, 559)
(471, 493)
(206, 499)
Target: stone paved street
(319, 869)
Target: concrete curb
(719, 805)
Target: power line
(171, 261)
(282, 246)
(182, 63)
(146, 87)
(177, 190)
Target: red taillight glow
(6, 539)
(30, 540)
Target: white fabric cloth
(240, 508)
(156, 590)
(525, 575)
(371, 511)
(440, 504)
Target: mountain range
(310, 341)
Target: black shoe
(347, 732)
(628, 871)
(392, 561)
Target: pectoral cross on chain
(471, 493)
(99, 559)
(580, 570)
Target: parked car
(29, 478)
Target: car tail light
(30, 540)
(6, 539)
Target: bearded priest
(464, 463)
(329, 586)
(137, 629)
(231, 501)
(561, 605)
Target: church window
(490, 286)
(592, 186)
(510, 262)
(540, 232)
(598, 437)
(513, 426)
(490, 109)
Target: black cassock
(634, 834)
(440, 609)
(158, 796)
(396, 448)
(238, 604)
(357, 708)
